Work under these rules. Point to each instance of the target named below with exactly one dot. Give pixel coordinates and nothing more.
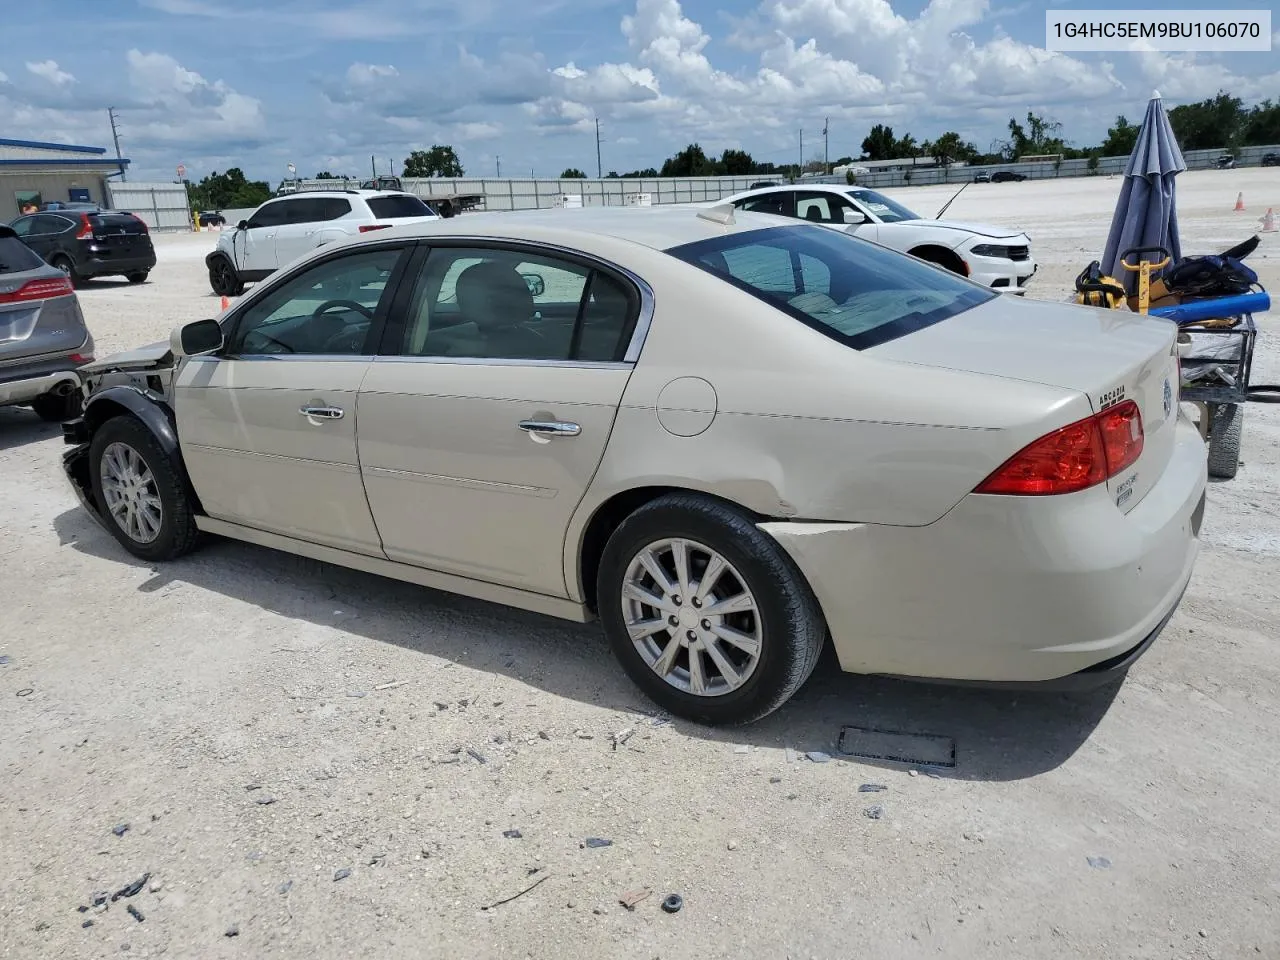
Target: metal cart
(1217, 382)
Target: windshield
(890, 211)
(856, 292)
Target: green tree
(439, 161)
(326, 175)
(906, 147)
(737, 163)
(1216, 122)
(573, 173)
(1040, 136)
(228, 191)
(1263, 124)
(637, 174)
(690, 162)
(949, 148)
(1122, 136)
(879, 144)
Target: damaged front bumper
(75, 463)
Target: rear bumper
(27, 389)
(103, 264)
(1010, 589)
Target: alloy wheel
(132, 497)
(692, 617)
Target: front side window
(882, 208)
(270, 215)
(499, 304)
(853, 291)
(327, 309)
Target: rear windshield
(398, 207)
(856, 292)
(117, 223)
(16, 256)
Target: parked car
(1007, 176)
(765, 183)
(212, 218)
(1225, 162)
(43, 338)
(998, 257)
(85, 244)
(285, 228)
(1271, 159)
(983, 177)
(727, 436)
(78, 206)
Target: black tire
(1224, 440)
(942, 258)
(793, 630)
(224, 279)
(67, 266)
(57, 408)
(177, 534)
(138, 276)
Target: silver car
(731, 437)
(43, 339)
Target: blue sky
(327, 83)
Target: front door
(268, 425)
(255, 246)
(296, 235)
(482, 427)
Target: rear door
(482, 427)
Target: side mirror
(193, 339)
(242, 225)
(853, 217)
(537, 286)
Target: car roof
(841, 188)
(659, 228)
(366, 194)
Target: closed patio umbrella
(1146, 213)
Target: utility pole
(498, 160)
(115, 135)
(801, 171)
(599, 169)
(826, 153)
(373, 164)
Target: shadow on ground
(20, 426)
(998, 735)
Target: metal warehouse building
(32, 173)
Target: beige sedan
(730, 437)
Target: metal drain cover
(914, 749)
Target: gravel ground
(265, 724)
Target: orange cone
(1239, 202)
(225, 304)
(1268, 222)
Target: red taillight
(82, 358)
(86, 228)
(39, 290)
(367, 227)
(1074, 458)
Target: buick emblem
(1168, 397)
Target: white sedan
(996, 257)
(731, 438)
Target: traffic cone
(1239, 202)
(226, 304)
(1268, 222)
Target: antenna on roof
(721, 213)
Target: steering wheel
(345, 304)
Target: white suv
(283, 229)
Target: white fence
(162, 206)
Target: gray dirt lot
(179, 699)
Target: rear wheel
(1224, 440)
(224, 279)
(65, 264)
(138, 276)
(57, 408)
(706, 613)
(143, 499)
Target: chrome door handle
(322, 413)
(555, 428)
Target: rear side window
(855, 292)
(335, 207)
(397, 207)
(16, 256)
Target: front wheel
(63, 263)
(142, 497)
(706, 613)
(224, 279)
(1226, 424)
(138, 276)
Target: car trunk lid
(118, 233)
(1108, 355)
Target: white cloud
(476, 131)
(4, 77)
(367, 74)
(50, 71)
(181, 105)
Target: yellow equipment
(1095, 289)
(1143, 268)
